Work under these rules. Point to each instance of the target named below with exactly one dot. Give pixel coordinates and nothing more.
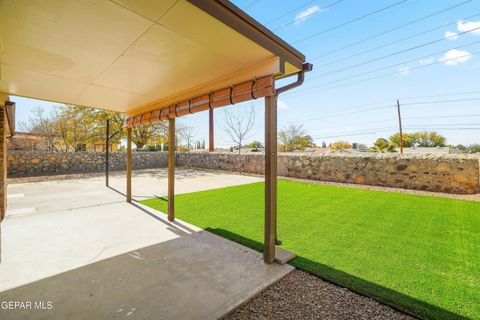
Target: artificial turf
(420, 254)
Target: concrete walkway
(84, 253)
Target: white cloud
(426, 61)
(465, 26)
(455, 57)
(281, 105)
(450, 35)
(404, 70)
(304, 15)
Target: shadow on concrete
(133, 196)
(192, 276)
(176, 225)
(392, 298)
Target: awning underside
(130, 56)
(254, 89)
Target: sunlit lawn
(421, 254)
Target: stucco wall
(31, 163)
(441, 173)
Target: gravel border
(468, 197)
(300, 295)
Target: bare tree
(186, 134)
(239, 122)
(294, 137)
(44, 124)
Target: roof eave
(235, 18)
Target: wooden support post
(171, 169)
(3, 157)
(270, 178)
(107, 153)
(211, 142)
(129, 164)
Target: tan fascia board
(237, 19)
(270, 67)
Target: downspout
(306, 67)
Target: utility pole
(400, 126)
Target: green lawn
(420, 254)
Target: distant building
(26, 141)
(429, 150)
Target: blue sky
(366, 54)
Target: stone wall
(33, 163)
(440, 173)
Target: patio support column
(129, 164)
(211, 143)
(171, 169)
(270, 178)
(3, 155)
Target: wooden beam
(171, 169)
(129, 164)
(270, 178)
(211, 140)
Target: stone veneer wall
(31, 163)
(439, 173)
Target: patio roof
(152, 60)
(134, 56)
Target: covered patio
(153, 61)
(93, 251)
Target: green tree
(254, 145)
(150, 134)
(408, 139)
(474, 148)
(430, 139)
(382, 145)
(419, 139)
(340, 145)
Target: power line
(383, 129)
(291, 11)
(395, 73)
(349, 125)
(251, 4)
(397, 52)
(441, 101)
(383, 68)
(392, 30)
(394, 42)
(322, 9)
(334, 115)
(440, 95)
(350, 21)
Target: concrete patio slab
(113, 259)
(48, 196)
